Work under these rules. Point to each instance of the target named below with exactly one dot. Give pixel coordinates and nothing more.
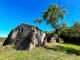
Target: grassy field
(53, 51)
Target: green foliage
(71, 34)
(73, 31)
(51, 16)
(76, 25)
(64, 25)
(38, 20)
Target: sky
(15, 12)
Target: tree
(76, 25)
(52, 15)
(64, 24)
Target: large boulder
(25, 37)
(53, 40)
(53, 37)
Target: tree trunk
(57, 32)
(58, 35)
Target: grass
(53, 51)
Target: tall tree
(52, 15)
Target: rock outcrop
(25, 37)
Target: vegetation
(54, 51)
(71, 34)
(52, 15)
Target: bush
(70, 34)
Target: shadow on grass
(65, 49)
(75, 43)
